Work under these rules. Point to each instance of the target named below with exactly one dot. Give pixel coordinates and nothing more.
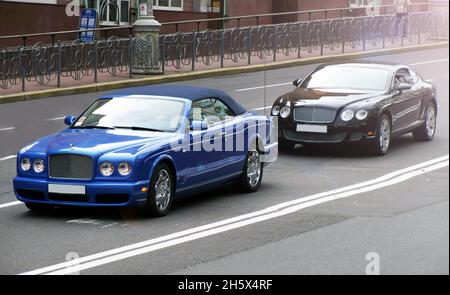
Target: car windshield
(348, 77)
(148, 114)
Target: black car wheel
(382, 143)
(161, 192)
(41, 208)
(427, 131)
(252, 173)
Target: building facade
(37, 16)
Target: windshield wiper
(137, 128)
(93, 127)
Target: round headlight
(362, 115)
(25, 164)
(107, 168)
(285, 112)
(347, 115)
(38, 165)
(276, 111)
(124, 169)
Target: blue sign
(88, 21)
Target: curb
(210, 73)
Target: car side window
(414, 77)
(211, 110)
(222, 110)
(403, 76)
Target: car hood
(96, 141)
(326, 98)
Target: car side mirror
(403, 87)
(297, 83)
(69, 120)
(199, 126)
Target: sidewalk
(283, 59)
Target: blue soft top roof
(186, 92)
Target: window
(110, 11)
(364, 3)
(212, 111)
(168, 4)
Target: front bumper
(98, 194)
(335, 134)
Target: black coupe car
(357, 102)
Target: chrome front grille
(314, 115)
(70, 166)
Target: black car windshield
(349, 78)
(134, 113)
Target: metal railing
(52, 64)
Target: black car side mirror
(403, 87)
(297, 83)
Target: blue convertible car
(146, 146)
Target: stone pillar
(146, 46)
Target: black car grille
(70, 166)
(314, 115)
(315, 137)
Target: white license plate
(67, 189)
(312, 128)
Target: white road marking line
(262, 87)
(430, 80)
(8, 157)
(281, 209)
(262, 108)
(5, 205)
(429, 62)
(7, 128)
(55, 119)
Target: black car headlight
(361, 115)
(276, 110)
(285, 112)
(347, 115)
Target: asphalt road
(401, 220)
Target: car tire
(161, 192)
(40, 208)
(381, 145)
(252, 174)
(285, 145)
(427, 130)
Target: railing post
(176, 28)
(58, 66)
(198, 26)
(299, 54)
(309, 15)
(257, 21)
(22, 68)
(364, 34)
(326, 14)
(96, 61)
(24, 41)
(194, 49)
(222, 47)
(249, 44)
(131, 54)
(402, 33)
(321, 39)
(163, 56)
(238, 23)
